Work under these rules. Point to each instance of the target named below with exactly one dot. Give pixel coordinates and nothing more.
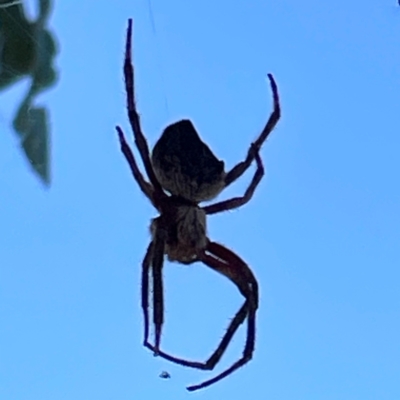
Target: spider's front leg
(146, 265)
(234, 268)
(153, 261)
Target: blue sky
(321, 234)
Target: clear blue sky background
(321, 234)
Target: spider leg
(246, 356)
(158, 291)
(153, 260)
(239, 201)
(145, 290)
(145, 186)
(234, 268)
(240, 168)
(217, 354)
(229, 264)
(134, 120)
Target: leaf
(27, 49)
(32, 125)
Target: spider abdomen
(185, 165)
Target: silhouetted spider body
(183, 166)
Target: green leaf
(32, 125)
(27, 49)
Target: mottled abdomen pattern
(185, 165)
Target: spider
(184, 172)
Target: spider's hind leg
(237, 202)
(239, 169)
(133, 114)
(145, 186)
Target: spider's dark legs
(145, 187)
(145, 290)
(229, 264)
(233, 267)
(158, 292)
(216, 356)
(240, 168)
(140, 140)
(246, 356)
(153, 260)
(239, 201)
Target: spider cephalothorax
(183, 166)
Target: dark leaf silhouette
(27, 49)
